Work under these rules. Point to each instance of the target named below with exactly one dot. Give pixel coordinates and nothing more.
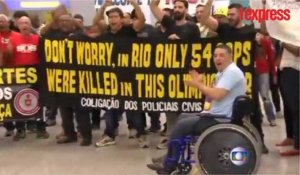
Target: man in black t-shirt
(235, 29)
(176, 28)
(179, 27)
(68, 112)
(117, 31)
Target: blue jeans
(188, 124)
(264, 89)
(137, 119)
(112, 122)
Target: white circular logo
(239, 156)
(26, 102)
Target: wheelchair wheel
(249, 127)
(227, 149)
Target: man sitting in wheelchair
(229, 84)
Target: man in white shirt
(230, 83)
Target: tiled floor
(45, 157)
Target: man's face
(79, 22)
(115, 21)
(233, 17)
(66, 23)
(4, 24)
(179, 11)
(221, 59)
(24, 25)
(199, 12)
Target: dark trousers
(112, 122)
(51, 112)
(154, 119)
(82, 118)
(138, 120)
(96, 117)
(290, 95)
(10, 126)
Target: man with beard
(235, 28)
(176, 28)
(66, 29)
(179, 27)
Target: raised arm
(208, 20)
(139, 22)
(263, 26)
(156, 11)
(100, 14)
(4, 9)
(295, 50)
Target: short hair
(200, 5)
(115, 10)
(78, 16)
(225, 47)
(19, 14)
(186, 4)
(235, 5)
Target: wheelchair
(233, 146)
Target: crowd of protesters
(277, 65)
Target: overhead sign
(35, 4)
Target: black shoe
(9, 133)
(21, 134)
(265, 150)
(156, 167)
(42, 135)
(85, 142)
(153, 130)
(31, 130)
(158, 159)
(66, 139)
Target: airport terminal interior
(33, 35)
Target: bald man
(23, 48)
